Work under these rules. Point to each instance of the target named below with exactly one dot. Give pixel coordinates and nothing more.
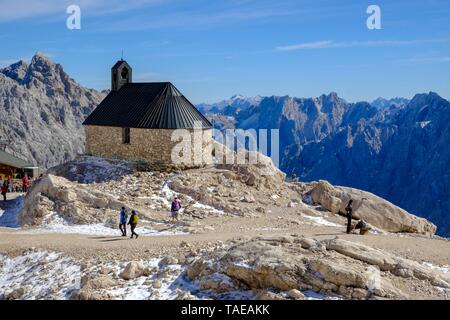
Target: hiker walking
(175, 208)
(123, 221)
(25, 183)
(134, 219)
(4, 189)
(349, 210)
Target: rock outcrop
(292, 264)
(133, 270)
(91, 285)
(253, 168)
(224, 186)
(71, 201)
(92, 190)
(388, 262)
(375, 210)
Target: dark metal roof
(157, 105)
(13, 161)
(118, 63)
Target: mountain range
(396, 148)
(41, 111)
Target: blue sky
(213, 49)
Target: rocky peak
(16, 71)
(333, 96)
(48, 77)
(237, 97)
(382, 103)
(431, 98)
(41, 65)
(426, 107)
(38, 101)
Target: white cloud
(22, 9)
(194, 18)
(217, 12)
(307, 45)
(429, 60)
(349, 44)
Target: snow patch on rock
(444, 268)
(56, 224)
(90, 169)
(321, 221)
(38, 275)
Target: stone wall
(150, 145)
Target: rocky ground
(244, 233)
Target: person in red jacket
(4, 189)
(25, 183)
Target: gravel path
(418, 248)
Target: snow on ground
(208, 208)
(175, 285)
(163, 200)
(168, 193)
(166, 196)
(49, 275)
(95, 169)
(423, 124)
(44, 275)
(242, 264)
(312, 295)
(444, 268)
(54, 223)
(40, 274)
(321, 221)
(142, 288)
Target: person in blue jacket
(123, 221)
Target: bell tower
(121, 73)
